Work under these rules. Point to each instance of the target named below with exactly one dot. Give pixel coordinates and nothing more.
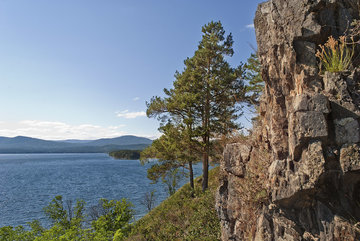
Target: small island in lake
(126, 154)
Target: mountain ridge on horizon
(24, 144)
(73, 139)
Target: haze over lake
(28, 182)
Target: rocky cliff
(298, 176)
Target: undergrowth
(186, 215)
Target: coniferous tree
(205, 96)
(220, 90)
(255, 84)
(177, 110)
(171, 151)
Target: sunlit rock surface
(307, 138)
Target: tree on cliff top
(221, 88)
(205, 95)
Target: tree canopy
(255, 85)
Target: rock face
(307, 142)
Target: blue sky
(83, 69)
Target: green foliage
(172, 180)
(169, 174)
(169, 147)
(116, 217)
(57, 232)
(67, 223)
(64, 215)
(335, 55)
(255, 85)
(35, 228)
(219, 86)
(56, 212)
(186, 215)
(204, 100)
(169, 151)
(9, 233)
(204, 216)
(126, 154)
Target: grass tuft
(335, 55)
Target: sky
(84, 69)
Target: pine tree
(204, 98)
(220, 90)
(177, 114)
(255, 84)
(171, 151)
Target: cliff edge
(298, 176)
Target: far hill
(22, 144)
(122, 140)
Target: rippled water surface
(28, 182)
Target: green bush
(67, 223)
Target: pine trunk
(206, 137)
(205, 171)
(191, 175)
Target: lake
(28, 182)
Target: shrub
(115, 219)
(111, 222)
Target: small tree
(149, 200)
(66, 215)
(67, 220)
(116, 217)
(170, 151)
(168, 172)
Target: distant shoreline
(27, 145)
(125, 154)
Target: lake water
(28, 182)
